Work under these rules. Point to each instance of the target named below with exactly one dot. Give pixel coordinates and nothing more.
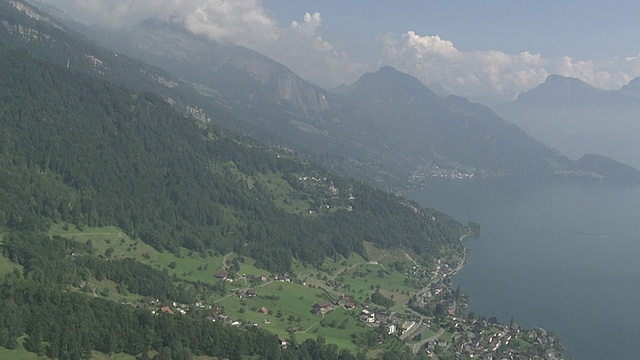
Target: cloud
(309, 24)
(240, 21)
(494, 75)
(488, 76)
(311, 56)
(243, 22)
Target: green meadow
(288, 305)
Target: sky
(487, 50)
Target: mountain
(632, 89)
(351, 129)
(81, 149)
(346, 130)
(578, 119)
(78, 149)
(94, 154)
(615, 171)
(449, 133)
(558, 90)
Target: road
(417, 346)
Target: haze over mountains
(576, 118)
(153, 152)
(387, 128)
(78, 148)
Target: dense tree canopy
(81, 150)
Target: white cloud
(244, 22)
(495, 75)
(480, 75)
(309, 55)
(309, 25)
(240, 21)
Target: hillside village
(434, 321)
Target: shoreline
(465, 253)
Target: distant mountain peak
(558, 77)
(388, 72)
(388, 69)
(607, 168)
(635, 82)
(388, 81)
(562, 90)
(632, 88)
(560, 82)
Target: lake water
(552, 253)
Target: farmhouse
(322, 307)
(222, 274)
(166, 310)
(349, 306)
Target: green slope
(85, 151)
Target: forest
(82, 151)
(91, 153)
(50, 320)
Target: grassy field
(7, 266)
(188, 264)
(207, 91)
(18, 354)
(288, 304)
(285, 197)
(292, 302)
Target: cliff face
(291, 88)
(171, 47)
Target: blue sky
(489, 51)
(587, 29)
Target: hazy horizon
(486, 52)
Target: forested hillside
(88, 152)
(78, 150)
(64, 324)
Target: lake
(558, 254)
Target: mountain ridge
(577, 123)
(558, 90)
(250, 93)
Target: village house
(166, 310)
(322, 307)
(222, 274)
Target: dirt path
(410, 259)
(309, 328)
(224, 260)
